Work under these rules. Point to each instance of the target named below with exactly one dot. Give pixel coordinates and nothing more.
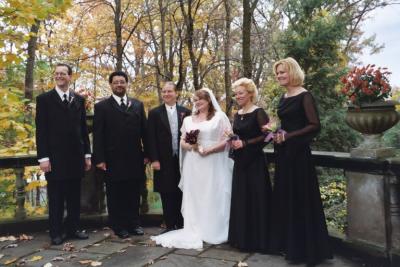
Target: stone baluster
(20, 212)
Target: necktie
(123, 106)
(65, 100)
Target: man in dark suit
(164, 134)
(119, 130)
(63, 151)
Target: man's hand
(88, 164)
(102, 166)
(156, 165)
(45, 166)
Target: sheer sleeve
(262, 119)
(313, 124)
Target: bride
(206, 178)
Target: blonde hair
(296, 74)
(249, 86)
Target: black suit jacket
(61, 135)
(119, 138)
(160, 147)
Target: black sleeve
(313, 125)
(84, 130)
(143, 131)
(41, 128)
(98, 134)
(152, 136)
(262, 119)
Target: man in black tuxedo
(119, 130)
(164, 126)
(63, 151)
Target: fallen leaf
(242, 264)
(96, 263)
(10, 261)
(72, 256)
(96, 245)
(57, 259)
(107, 234)
(8, 238)
(94, 231)
(84, 262)
(151, 262)
(21, 262)
(163, 258)
(48, 265)
(68, 246)
(1, 256)
(122, 251)
(106, 228)
(25, 237)
(36, 258)
(11, 246)
(83, 249)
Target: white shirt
(118, 99)
(170, 109)
(61, 93)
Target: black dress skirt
(251, 187)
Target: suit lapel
(164, 117)
(115, 104)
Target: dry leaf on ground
(8, 238)
(10, 261)
(25, 237)
(96, 263)
(96, 245)
(1, 256)
(57, 259)
(84, 262)
(163, 258)
(122, 251)
(48, 265)
(68, 247)
(36, 258)
(11, 246)
(72, 256)
(242, 264)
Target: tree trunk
(118, 34)
(248, 9)
(30, 62)
(227, 55)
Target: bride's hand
(205, 151)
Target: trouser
(123, 201)
(60, 193)
(172, 202)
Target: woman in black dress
(251, 188)
(298, 228)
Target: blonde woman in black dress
(251, 188)
(298, 228)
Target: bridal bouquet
(231, 137)
(272, 128)
(191, 138)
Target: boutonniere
(129, 104)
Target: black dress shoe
(56, 240)
(122, 234)
(136, 231)
(78, 235)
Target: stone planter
(371, 120)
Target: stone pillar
(373, 205)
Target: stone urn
(371, 120)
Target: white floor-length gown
(206, 185)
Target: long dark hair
(202, 94)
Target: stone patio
(108, 250)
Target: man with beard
(118, 146)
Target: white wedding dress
(206, 183)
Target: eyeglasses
(60, 74)
(119, 82)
